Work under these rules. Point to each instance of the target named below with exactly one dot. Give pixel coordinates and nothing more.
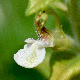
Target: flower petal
(40, 52)
(27, 46)
(30, 56)
(41, 43)
(21, 56)
(36, 57)
(30, 40)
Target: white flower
(32, 54)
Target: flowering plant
(34, 51)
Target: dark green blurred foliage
(15, 27)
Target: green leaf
(36, 5)
(66, 65)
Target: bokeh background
(15, 27)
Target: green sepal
(36, 5)
(58, 5)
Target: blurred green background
(15, 27)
